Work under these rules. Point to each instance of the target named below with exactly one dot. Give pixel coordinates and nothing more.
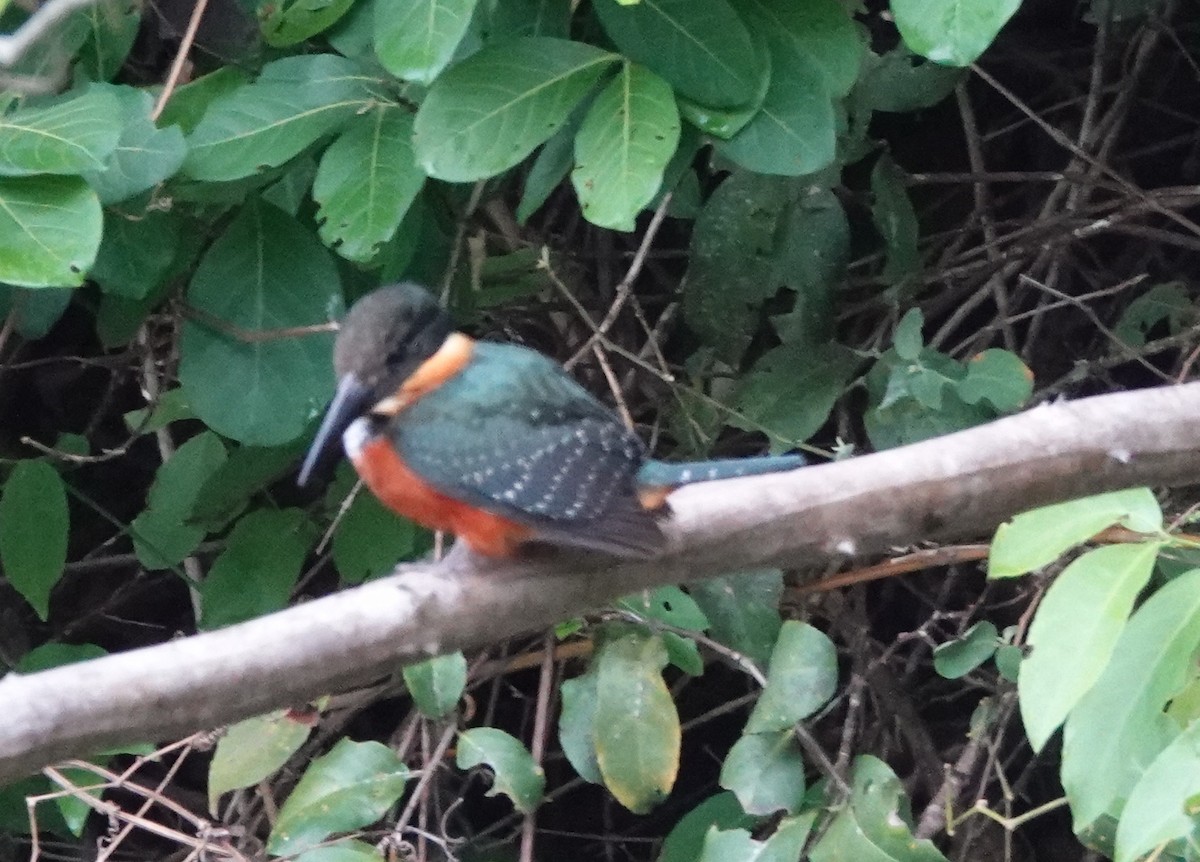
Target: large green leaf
(1119, 727)
(700, 46)
(415, 39)
(258, 568)
(437, 683)
(370, 539)
(820, 31)
(766, 771)
(351, 786)
(33, 531)
(1039, 537)
(264, 272)
(113, 27)
(952, 32)
(637, 733)
(295, 101)
(291, 22)
(1162, 806)
(367, 180)
(50, 230)
(253, 750)
(249, 469)
(623, 146)
(72, 134)
(1075, 630)
(144, 156)
(802, 677)
(487, 113)
(896, 220)
(743, 610)
(515, 774)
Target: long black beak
(349, 402)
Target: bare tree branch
(949, 488)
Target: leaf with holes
(515, 774)
(637, 731)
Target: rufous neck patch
(451, 358)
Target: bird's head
(385, 337)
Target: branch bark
(954, 487)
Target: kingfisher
(493, 442)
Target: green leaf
(623, 146)
(262, 392)
(249, 469)
(734, 265)
(1038, 538)
(291, 23)
(700, 47)
(683, 653)
(295, 101)
(34, 311)
(252, 751)
(554, 161)
(345, 850)
(743, 610)
(350, 787)
(144, 156)
(794, 131)
(260, 565)
(801, 679)
(50, 230)
(1119, 727)
(366, 182)
(784, 845)
(487, 113)
(170, 407)
(529, 18)
(998, 377)
(34, 524)
(637, 733)
(819, 31)
(766, 771)
(790, 392)
(161, 536)
(669, 605)
(685, 842)
(53, 654)
(1008, 662)
(136, 254)
(189, 103)
(114, 26)
(896, 221)
(952, 32)
(577, 725)
(371, 540)
(69, 135)
(515, 773)
(877, 825)
(900, 81)
(957, 658)
(1075, 630)
(907, 340)
(1158, 808)
(415, 39)
(1163, 303)
(437, 684)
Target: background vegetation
(749, 225)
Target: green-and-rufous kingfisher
(493, 442)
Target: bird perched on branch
(493, 442)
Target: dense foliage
(749, 225)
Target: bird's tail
(662, 474)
